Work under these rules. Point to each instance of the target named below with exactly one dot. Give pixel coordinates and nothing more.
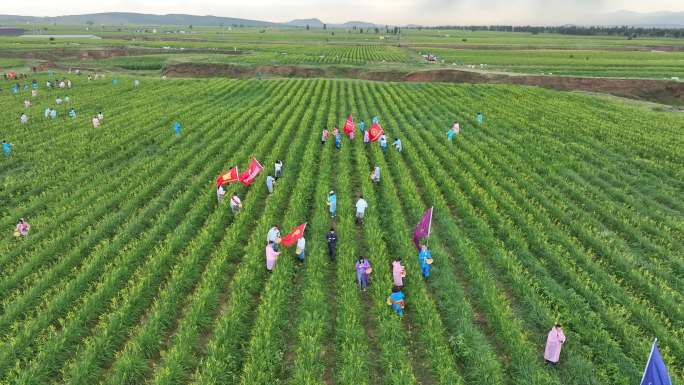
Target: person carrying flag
(554, 342)
(332, 203)
(235, 204)
(269, 184)
(271, 256)
(425, 260)
(331, 239)
(324, 136)
(363, 271)
(299, 251)
(396, 300)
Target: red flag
(291, 238)
(229, 177)
(250, 175)
(349, 125)
(375, 132)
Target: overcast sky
(429, 12)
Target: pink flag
(422, 229)
(349, 126)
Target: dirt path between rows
(658, 91)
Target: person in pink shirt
(398, 272)
(554, 343)
(335, 131)
(96, 122)
(324, 136)
(22, 228)
(271, 256)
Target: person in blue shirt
(396, 301)
(332, 204)
(376, 120)
(177, 128)
(15, 88)
(425, 260)
(53, 113)
(362, 126)
(6, 148)
(338, 141)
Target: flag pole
(650, 355)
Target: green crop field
(561, 207)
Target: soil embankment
(659, 91)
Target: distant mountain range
(129, 18)
(654, 19)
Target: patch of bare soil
(56, 54)
(658, 91)
(663, 48)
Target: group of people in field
(362, 266)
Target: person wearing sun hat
(332, 203)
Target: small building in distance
(11, 31)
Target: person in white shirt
(274, 236)
(301, 245)
(278, 168)
(23, 118)
(58, 100)
(235, 204)
(361, 206)
(375, 174)
(100, 116)
(220, 193)
(27, 103)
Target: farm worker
(397, 144)
(220, 193)
(96, 122)
(100, 116)
(15, 88)
(278, 168)
(324, 136)
(48, 84)
(58, 100)
(456, 128)
(331, 238)
(68, 83)
(34, 84)
(351, 135)
(6, 148)
(53, 113)
(274, 236)
(338, 141)
(47, 112)
(450, 135)
(332, 203)
(235, 204)
(27, 103)
(72, 113)
(26, 87)
(376, 120)
(335, 131)
(554, 342)
(361, 206)
(301, 245)
(34, 93)
(362, 126)
(398, 272)
(363, 270)
(62, 84)
(67, 99)
(396, 301)
(271, 256)
(480, 117)
(366, 137)
(375, 174)
(177, 128)
(383, 142)
(269, 184)
(23, 118)
(136, 83)
(115, 81)
(22, 228)
(425, 259)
